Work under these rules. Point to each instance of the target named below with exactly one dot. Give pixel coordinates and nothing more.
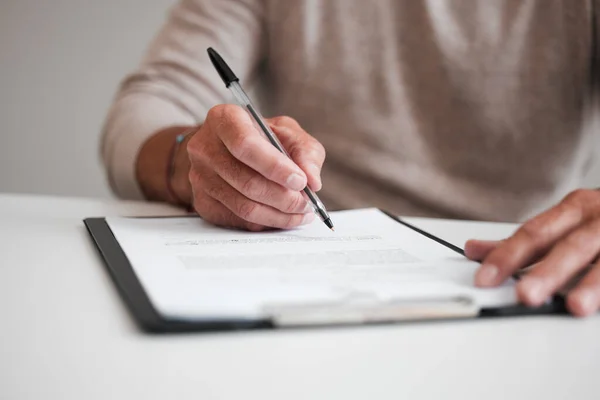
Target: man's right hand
(240, 180)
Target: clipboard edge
(135, 297)
(556, 306)
(149, 320)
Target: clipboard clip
(343, 313)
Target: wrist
(179, 181)
(163, 164)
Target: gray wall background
(60, 64)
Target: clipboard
(150, 320)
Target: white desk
(65, 334)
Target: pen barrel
(244, 101)
(318, 207)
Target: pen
(232, 83)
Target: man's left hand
(560, 243)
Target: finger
(477, 250)
(569, 256)
(305, 150)
(217, 214)
(249, 210)
(235, 129)
(255, 186)
(529, 243)
(585, 298)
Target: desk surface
(65, 334)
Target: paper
(193, 270)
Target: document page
(193, 270)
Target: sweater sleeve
(176, 84)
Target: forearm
(175, 86)
(154, 163)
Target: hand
(240, 180)
(561, 243)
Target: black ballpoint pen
(232, 83)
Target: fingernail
(469, 248)
(295, 182)
(316, 170)
(477, 249)
(308, 218)
(587, 300)
(533, 289)
(487, 275)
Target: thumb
(304, 150)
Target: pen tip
(332, 229)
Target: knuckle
(196, 182)
(246, 209)
(583, 239)
(292, 221)
(293, 204)
(201, 205)
(219, 111)
(580, 196)
(193, 177)
(595, 228)
(577, 241)
(319, 148)
(194, 143)
(198, 150)
(232, 114)
(253, 187)
(574, 304)
(198, 147)
(278, 166)
(229, 166)
(309, 150)
(192, 147)
(533, 231)
(501, 259)
(215, 113)
(222, 117)
(197, 204)
(317, 152)
(284, 120)
(214, 191)
(216, 218)
(203, 211)
(241, 145)
(568, 207)
(254, 227)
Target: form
(193, 270)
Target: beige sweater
(455, 108)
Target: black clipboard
(150, 320)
